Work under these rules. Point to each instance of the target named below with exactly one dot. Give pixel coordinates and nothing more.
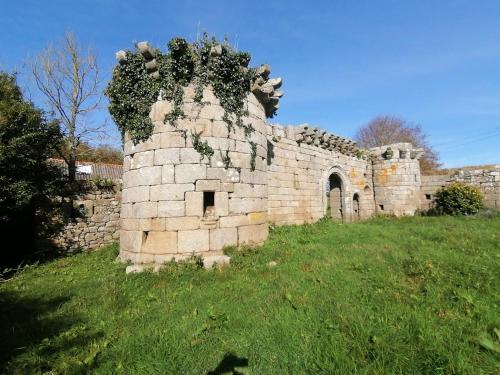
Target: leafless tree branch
(69, 80)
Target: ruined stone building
(176, 203)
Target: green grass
(387, 296)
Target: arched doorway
(336, 198)
(355, 207)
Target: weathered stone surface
(167, 156)
(135, 194)
(253, 234)
(171, 208)
(131, 240)
(208, 185)
(219, 238)
(141, 159)
(145, 210)
(182, 223)
(160, 243)
(221, 204)
(215, 260)
(167, 174)
(142, 176)
(185, 173)
(194, 203)
(170, 191)
(193, 241)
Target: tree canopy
(386, 129)
(27, 181)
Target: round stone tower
(178, 200)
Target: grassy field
(387, 296)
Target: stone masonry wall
(486, 179)
(98, 224)
(298, 176)
(396, 177)
(177, 203)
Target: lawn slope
(387, 296)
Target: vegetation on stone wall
(133, 89)
(459, 199)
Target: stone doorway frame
(346, 191)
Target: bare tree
(384, 130)
(69, 80)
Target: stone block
(253, 177)
(222, 237)
(135, 194)
(152, 143)
(253, 234)
(233, 221)
(215, 260)
(190, 156)
(193, 241)
(171, 208)
(194, 203)
(221, 201)
(159, 110)
(208, 185)
(182, 223)
(224, 175)
(143, 176)
(158, 224)
(172, 139)
(185, 173)
(170, 192)
(257, 217)
(131, 241)
(167, 174)
(227, 186)
(145, 210)
(167, 156)
(127, 211)
(129, 224)
(160, 243)
(142, 159)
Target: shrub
(459, 199)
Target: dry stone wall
(486, 179)
(97, 223)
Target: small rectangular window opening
(208, 203)
(381, 206)
(428, 197)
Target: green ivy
(132, 91)
(202, 147)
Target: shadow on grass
(33, 334)
(229, 364)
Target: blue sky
(435, 63)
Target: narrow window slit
(208, 203)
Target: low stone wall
(486, 179)
(98, 223)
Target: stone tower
(178, 202)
